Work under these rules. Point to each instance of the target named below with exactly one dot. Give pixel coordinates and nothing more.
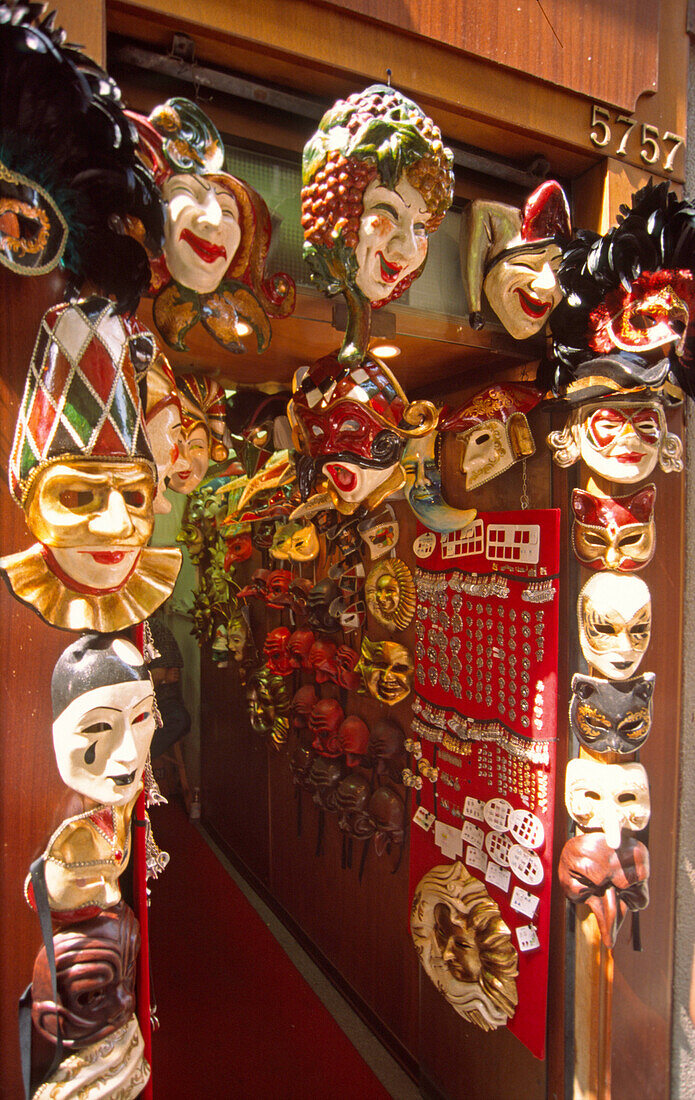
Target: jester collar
(32, 580)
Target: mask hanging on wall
(464, 946)
(352, 797)
(423, 488)
(609, 880)
(379, 146)
(387, 670)
(349, 425)
(390, 594)
(216, 235)
(297, 542)
(611, 715)
(607, 797)
(492, 431)
(82, 469)
(325, 721)
(203, 431)
(615, 620)
(616, 533)
(162, 406)
(513, 256)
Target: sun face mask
(387, 669)
(95, 971)
(610, 881)
(82, 469)
(612, 715)
(103, 703)
(615, 621)
(607, 797)
(492, 430)
(464, 946)
(390, 594)
(616, 533)
(514, 256)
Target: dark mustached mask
(611, 715)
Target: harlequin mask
(82, 469)
(277, 592)
(322, 660)
(352, 424)
(351, 799)
(324, 722)
(387, 668)
(353, 738)
(610, 881)
(385, 743)
(390, 594)
(423, 488)
(464, 946)
(302, 702)
(299, 645)
(615, 621)
(514, 257)
(616, 533)
(95, 972)
(277, 653)
(296, 542)
(492, 430)
(612, 715)
(609, 797)
(321, 598)
(619, 438)
(346, 661)
(103, 703)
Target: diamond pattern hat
(81, 398)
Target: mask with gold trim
(616, 533)
(611, 715)
(615, 620)
(387, 669)
(390, 594)
(295, 542)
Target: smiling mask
(615, 622)
(423, 488)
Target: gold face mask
(295, 542)
(390, 594)
(387, 668)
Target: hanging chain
(524, 486)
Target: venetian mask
(615, 621)
(299, 645)
(268, 704)
(104, 717)
(353, 738)
(609, 797)
(620, 439)
(423, 488)
(203, 431)
(609, 880)
(320, 599)
(277, 652)
(323, 780)
(295, 542)
(352, 430)
(380, 532)
(492, 430)
(95, 972)
(612, 715)
(387, 815)
(163, 420)
(322, 660)
(263, 533)
(201, 231)
(385, 743)
(346, 674)
(514, 256)
(387, 669)
(464, 946)
(400, 185)
(324, 722)
(300, 765)
(302, 702)
(390, 594)
(616, 533)
(257, 587)
(277, 591)
(239, 548)
(351, 799)
(652, 315)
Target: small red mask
(303, 700)
(278, 588)
(346, 660)
(239, 548)
(300, 644)
(322, 660)
(256, 588)
(324, 722)
(276, 652)
(353, 738)
(616, 533)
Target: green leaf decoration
(222, 310)
(176, 310)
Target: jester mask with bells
(377, 181)
(620, 437)
(615, 621)
(202, 431)
(350, 424)
(513, 256)
(628, 296)
(616, 533)
(491, 430)
(607, 797)
(612, 715)
(390, 594)
(69, 171)
(217, 234)
(387, 670)
(464, 946)
(82, 469)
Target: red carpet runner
(237, 1019)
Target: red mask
(256, 588)
(278, 588)
(347, 427)
(322, 660)
(276, 652)
(324, 722)
(239, 548)
(300, 643)
(614, 533)
(346, 660)
(353, 738)
(385, 743)
(303, 700)
(610, 881)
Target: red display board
(483, 735)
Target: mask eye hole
(626, 796)
(593, 795)
(135, 498)
(75, 498)
(143, 716)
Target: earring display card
(484, 725)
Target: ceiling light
(385, 351)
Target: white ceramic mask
(610, 797)
(615, 619)
(392, 240)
